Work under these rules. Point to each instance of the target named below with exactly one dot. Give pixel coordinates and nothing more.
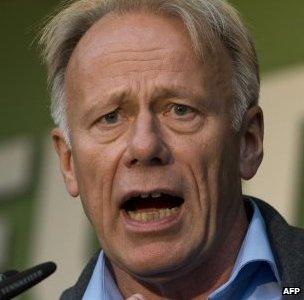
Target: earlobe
(66, 162)
(251, 143)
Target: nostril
(156, 161)
(153, 162)
(133, 162)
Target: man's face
(147, 118)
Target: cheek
(201, 154)
(208, 157)
(95, 168)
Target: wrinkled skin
(144, 66)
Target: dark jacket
(287, 244)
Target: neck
(197, 283)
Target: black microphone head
(8, 273)
(20, 282)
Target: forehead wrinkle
(119, 98)
(108, 49)
(140, 65)
(134, 94)
(160, 59)
(108, 58)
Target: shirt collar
(255, 248)
(102, 285)
(256, 245)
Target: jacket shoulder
(287, 244)
(77, 291)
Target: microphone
(8, 273)
(14, 283)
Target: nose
(146, 146)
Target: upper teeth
(153, 195)
(144, 195)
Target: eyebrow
(115, 98)
(120, 97)
(160, 94)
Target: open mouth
(152, 207)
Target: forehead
(120, 46)
(122, 43)
(138, 31)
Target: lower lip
(170, 222)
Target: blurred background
(40, 222)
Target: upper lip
(135, 193)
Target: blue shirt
(254, 275)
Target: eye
(180, 109)
(111, 118)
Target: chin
(156, 262)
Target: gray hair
(207, 21)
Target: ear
(251, 145)
(66, 162)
